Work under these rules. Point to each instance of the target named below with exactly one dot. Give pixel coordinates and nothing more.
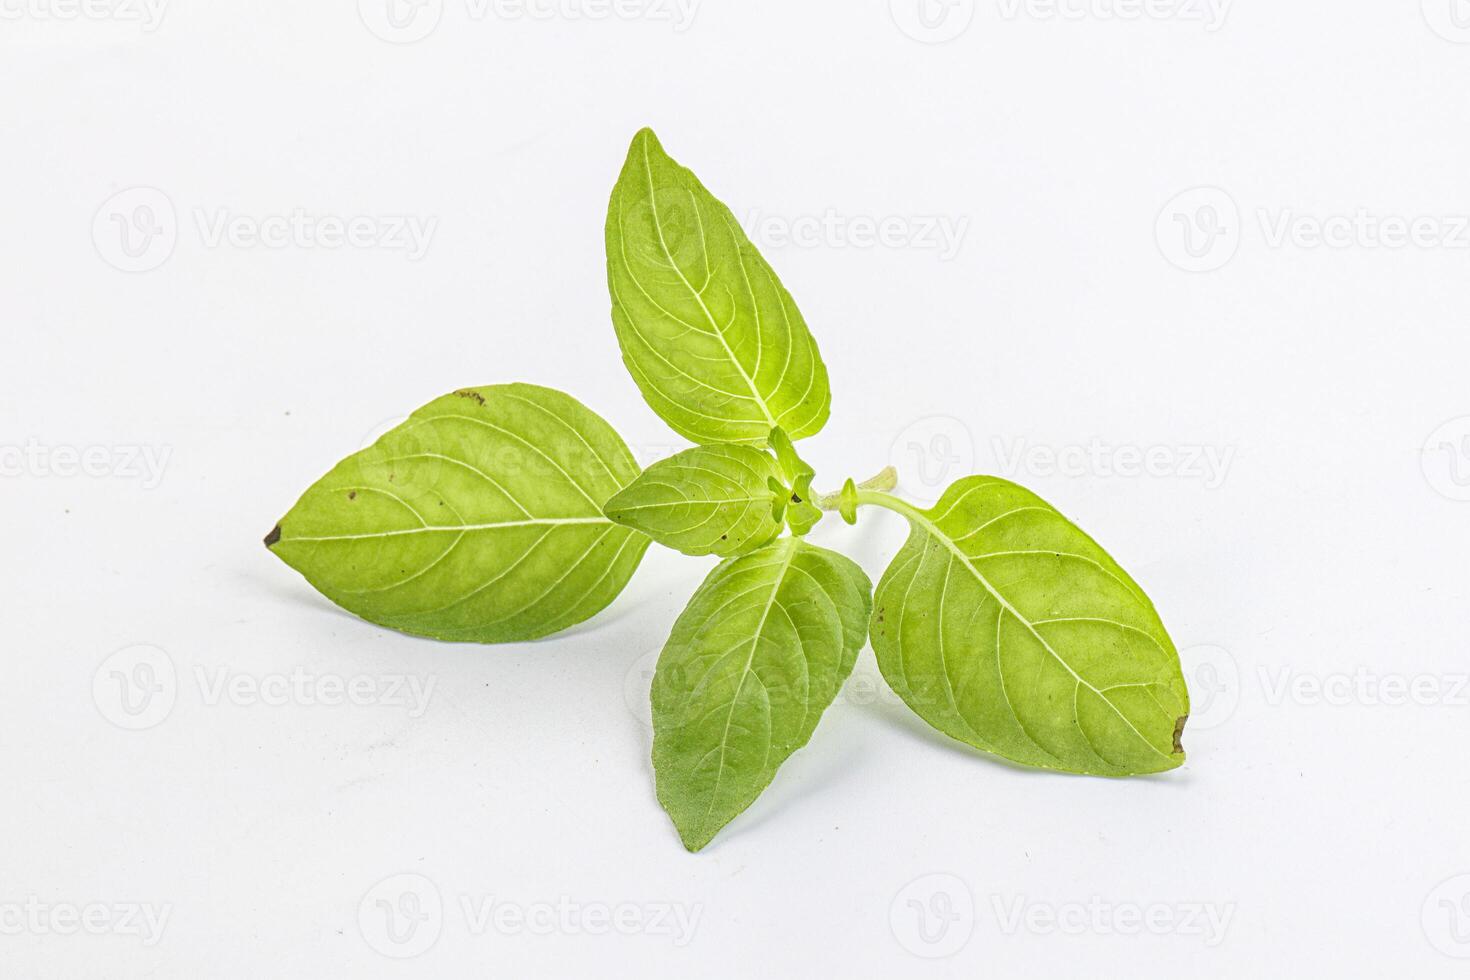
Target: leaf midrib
(721, 502)
(745, 673)
(920, 518)
(698, 297)
(461, 528)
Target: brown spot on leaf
(1179, 733)
(470, 393)
(274, 536)
(351, 494)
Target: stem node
(885, 479)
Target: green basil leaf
(711, 500)
(1004, 626)
(477, 519)
(761, 650)
(802, 517)
(847, 503)
(710, 335)
(792, 465)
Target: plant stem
(886, 479)
(889, 502)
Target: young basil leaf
(477, 519)
(1004, 626)
(802, 517)
(792, 465)
(804, 513)
(708, 332)
(754, 660)
(711, 500)
(847, 501)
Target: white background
(1316, 579)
